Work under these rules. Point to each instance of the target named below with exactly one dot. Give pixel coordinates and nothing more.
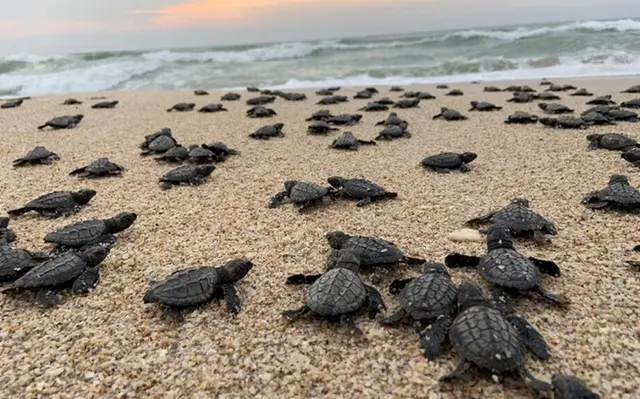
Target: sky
(62, 26)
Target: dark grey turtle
(38, 156)
(513, 88)
(201, 155)
(15, 262)
(324, 92)
(483, 106)
(602, 100)
(86, 233)
(442, 87)
(159, 145)
(450, 115)
(200, 93)
(491, 89)
(611, 141)
(294, 96)
(148, 139)
(393, 132)
(221, 150)
(371, 89)
(618, 194)
(62, 122)
(520, 220)
(385, 101)
(595, 118)
(213, 108)
(633, 103)
(508, 270)
(7, 236)
(182, 107)
(565, 122)
(231, 97)
(392, 119)
(373, 252)
(545, 82)
(455, 92)
(194, 175)
(261, 100)
(571, 387)
(483, 336)
(555, 88)
(176, 154)
(80, 270)
(320, 127)
(321, 115)
(374, 107)
(445, 162)
(345, 119)
(421, 95)
(527, 89)
(198, 285)
(632, 89)
(105, 104)
(520, 117)
(521, 97)
(12, 103)
(546, 96)
(338, 294)
(56, 204)
(632, 155)
(267, 132)
(582, 93)
(555, 108)
(396, 88)
(364, 94)
(601, 109)
(302, 193)
(101, 167)
(410, 94)
(349, 142)
(365, 191)
(259, 111)
(623, 115)
(71, 101)
(333, 100)
(252, 89)
(408, 103)
(568, 87)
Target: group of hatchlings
(486, 332)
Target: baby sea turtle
(618, 194)
(71, 101)
(213, 108)
(555, 88)
(545, 82)
(38, 156)
(632, 155)
(445, 162)
(266, 132)
(194, 175)
(177, 154)
(602, 100)
(422, 95)
(632, 89)
(509, 270)
(520, 220)
(385, 101)
(198, 285)
(450, 115)
(364, 94)
(101, 167)
(231, 97)
(338, 294)
(302, 193)
(392, 119)
(159, 145)
(221, 150)
(521, 117)
(611, 141)
(293, 96)
(520, 97)
(349, 142)
(625, 115)
(261, 100)
(200, 93)
(7, 235)
(201, 155)
(321, 115)
(12, 103)
(372, 252)
(182, 107)
(396, 88)
(374, 107)
(324, 92)
(633, 103)
(483, 336)
(570, 387)
(491, 89)
(483, 106)
(595, 118)
(555, 108)
(253, 89)
(105, 104)
(148, 139)
(15, 262)
(565, 122)
(365, 191)
(80, 270)
(408, 103)
(455, 92)
(345, 119)
(393, 132)
(442, 86)
(546, 96)
(259, 111)
(87, 233)
(583, 93)
(57, 203)
(320, 127)
(62, 122)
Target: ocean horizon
(553, 50)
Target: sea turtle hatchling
(449, 114)
(324, 92)
(508, 270)
(200, 93)
(522, 118)
(582, 93)
(408, 103)
(105, 104)
(633, 103)
(392, 119)
(632, 89)
(15, 262)
(455, 92)
(176, 154)
(62, 122)
(259, 111)
(611, 141)
(373, 252)
(554, 108)
(320, 127)
(385, 101)
(520, 220)
(393, 132)
(80, 270)
(71, 101)
(345, 119)
(338, 294)
(363, 95)
(159, 145)
(625, 115)
(596, 118)
(483, 106)
(252, 89)
(546, 96)
(268, 131)
(201, 155)
(571, 387)
(87, 233)
(618, 194)
(261, 100)
(101, 167)
(442, 86)
(182, 107)
(632, 155)
(198, 285)
(365, 191)
(349, 142)
(491, 89)
(396, 89)
(148, 139)
(602, 100)
(38, 156)
(56, 204)
(209, 108)
(374, 107)
(7, 236)
(565, 122)
(194, 175)
(445, 162)
(230, 97)
(321, 115)
(521, 97)
(12, 103)
(221, 150)
(302, 193)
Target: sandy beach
(109, 344)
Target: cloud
(26, 28)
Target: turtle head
(468, 156)
(336, 181)
(279, 126)
(4, 222)
(619, 179)
(542, 105)
(78, 117)
(93, 256)
(393, 114)
(435, 267)
(236, 269)
(336, 239)
(630, 155)
(343, 259)
(289, 185)
(521, 201)
(356, 117)
(498, 236)
(443, 109)
(593, 137)
(469, 295)
(83, 196)
(121, 221)
(473, 103)
(547, 121)
(206, 170)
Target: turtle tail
(414, 261)
(391, 195)
(42, 126)
(18, 212)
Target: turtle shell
(346, 140)
(616, 141)
(373, 250)
(184, 288)
(182, 173)
(448, 160)
(77, 234)
(201, 154)
(36, 154)
(337, 292)
(307, 191)
(451, 114)
(428, 296)
(162, 143)
(361, 188)
(392, 131)
(622, 114)
(482, 335)
(520, 219)
(102, 166)
(508, 268)
(177, 152)
(620, 194)
(571, 122)
(52, 200)
(60, 122)
(13, 262)
(59, 270)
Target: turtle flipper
(397, 285)
(196, 181)
(18, 212)
(366, 142)
(66, 210)
(87, 281)
(166, 185)
(394, 318)
(379, 273)
(550, 296)
(533, 382)
(363, 202)
(410, 260)
(295, 313)
(78, 171)
(633, 263)
(460, 369)
(107, 241)
(232, 299)
(278, 199)
(464, 168)
(47, 298)
(347, 320)
(455, 260)
(375, 303)
(503, 300)
(173, 312)
(39, 256)
(300, 279)
(434, 335)
(546, 266)
(593, 145)
(480, 219)
(530, 336)
(441, 170)
(540, 238)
